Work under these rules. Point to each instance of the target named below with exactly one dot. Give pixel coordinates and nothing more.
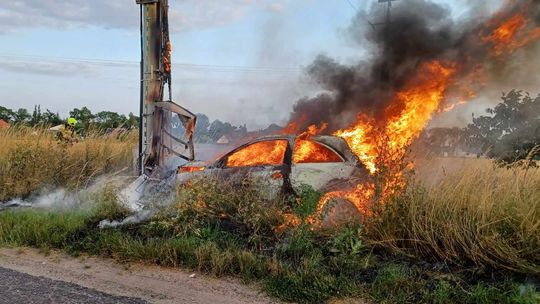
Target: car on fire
(287, 162)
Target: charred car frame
(287, 162)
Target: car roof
(335, 143)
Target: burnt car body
(330, 164)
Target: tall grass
(221, 228)
(31, 159)
(477, 215)
(466, 234)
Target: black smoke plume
(418, 31)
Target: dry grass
(471, 213)
(225, 229)
(31, 159)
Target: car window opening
(264, 153)
(308, 151)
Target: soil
(150, 283)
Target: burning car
(287, 162)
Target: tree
(203, 123)
(83, 116)
(6, 114)
(107, 119)
(36, 116)
(22, 116)
(201, 129)
(443, 141)
(50, 118)
(132, 121)
(219, 128)
(511, 130)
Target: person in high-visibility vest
(66, 132)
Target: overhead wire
(352, 5)
(127, 63)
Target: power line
(352, 5)
(127, 63)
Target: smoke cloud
(419, 31)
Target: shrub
(243, 210)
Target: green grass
(217, 231)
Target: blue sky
(235, 60)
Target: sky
(240, 61)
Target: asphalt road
(16, 287)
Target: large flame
(512, 33)
(419, 100)
(383, 146)
(408, 114)
(307, 151)
(361, 142)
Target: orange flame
(189, 169)
(385, 146)
(307, 151)
(382, 145)
(358, 196)
(257, 154)
(513, 33)
(360, 141)
(414, 105)
(419, 100)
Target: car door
(263, 160)
(317, 164)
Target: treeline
(211, 132)
(85, 118)
(509, 133)
(206, 131)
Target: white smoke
(58, 199)
(139, 217)
(61, 199)
(144, 197)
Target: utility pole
(156, 139)
(386, 23)
(388, 7)
(386, 70)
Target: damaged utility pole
(156, 139)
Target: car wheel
(339, 212)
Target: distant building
(4, 124)
(223, 140)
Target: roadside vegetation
(469, 238)
(31, 160)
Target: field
(31, 160)
(463, 231)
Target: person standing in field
(66, 132)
